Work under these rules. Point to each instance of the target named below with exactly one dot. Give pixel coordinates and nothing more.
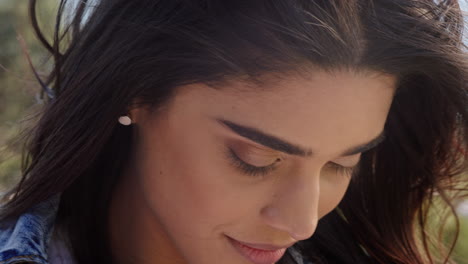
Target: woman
(242, 132)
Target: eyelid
(247, 168)
(348, 161)
(345, 171)
(334, 164)
(255, 156)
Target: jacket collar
(27, 237)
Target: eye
(247, 168)
(343, 170)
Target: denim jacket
(29, 238)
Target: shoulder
(28, 237)
(59, 253)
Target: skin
(180, 195)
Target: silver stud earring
(125, 120)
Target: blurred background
(19, 100)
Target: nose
(294, 208)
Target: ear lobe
(137, 114)
(136, 110)
(139, 111)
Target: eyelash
(342, 170)
(263, 171)
(247, 168)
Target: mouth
(258, 253)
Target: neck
(136, 235)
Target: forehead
(321, 110)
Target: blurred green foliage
(18, 91)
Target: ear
(139, 114)
(137, 111)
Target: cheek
(331, 194)
(189, 187)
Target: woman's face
(255, 165)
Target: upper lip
(262, 246)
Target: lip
(259, 253)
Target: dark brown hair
(119, 51)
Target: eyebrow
(282, 145)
